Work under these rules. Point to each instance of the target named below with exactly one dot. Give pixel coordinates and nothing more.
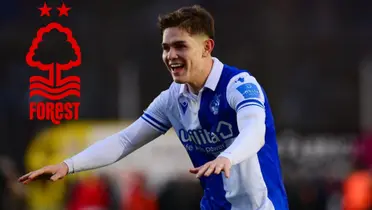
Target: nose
(172, 54)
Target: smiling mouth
(177, 67)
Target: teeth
(176, 65)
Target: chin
(179, 80)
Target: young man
(220, 113)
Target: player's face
(182, 54)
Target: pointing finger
(24, 177)
(36, 173)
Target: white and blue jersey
(206, 124)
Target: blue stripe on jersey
(157, 121)
(153, 124)
(250, 105)
(249, 101)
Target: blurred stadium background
(314, 59)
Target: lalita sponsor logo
(207, 141)
(54, 87)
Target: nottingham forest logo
(53, 87)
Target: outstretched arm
(99, 154)
(152, 124)
(113, 148)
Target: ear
(208, 47)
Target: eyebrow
(174, 43)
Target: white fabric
(234, 97)
(113, 148)
(155, 114)
(251, 123)
(251, 119)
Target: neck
(199, 82)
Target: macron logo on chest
(183, 104)
(189, 108)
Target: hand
(215, 166)
(51, 172)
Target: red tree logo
(58, 88)
(54, 87)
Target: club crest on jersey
(240, 79)
(183, 104)
(215, 104)
(249, 90)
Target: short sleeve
(244, 91)
(155, 114)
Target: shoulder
(240, 79)
(234, 77)
(242, 87)
(245, 85)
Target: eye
(180, 46)
(165, 48)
